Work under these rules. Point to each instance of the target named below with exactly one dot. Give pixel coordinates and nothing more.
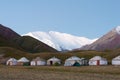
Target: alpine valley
(49, 44)
(52, 41)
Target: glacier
(60, 41)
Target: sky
(85, 18)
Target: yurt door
(51, 62)
(98, 62)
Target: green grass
(59, 73)
(11, 52)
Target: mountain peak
(7, 32)
(109, 41)
(60, 41)
(117, 29)
(9, 38)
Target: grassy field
(59, 73)
(11, 52)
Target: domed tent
(72, 60)
(98, 60)
(38, 62)
(116, 60)
(23, 61)
(53, 61)
(11, 62)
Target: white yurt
(53, 60)
(23, 61)
(116, 60)
(72, 60)
(38, 62)
(11, 62)
(98, 60)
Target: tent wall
(53, 62)
(72, 62)
(103, 62)
(69, 63)
(42, 63)
(115, 62)
(92, 62)
(98, 62)
(11, 63)
(32, 63)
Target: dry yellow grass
(59, 73)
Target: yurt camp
(23, 62)
(11, 62)
(53, 61)
(73, 61)
(98, 60)
(84, 62)
(116, 60)
(38, 62)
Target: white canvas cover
(116, 60)
(42, 63)
(33, 63)
(11, 61)
(53, 60)
(70, 61)
(23, 59)
(94, 61)
(38, 61)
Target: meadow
(59, 73)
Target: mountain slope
(60, 41)
(9, 38)
(8, 33)
(33, 45)
(111, 40)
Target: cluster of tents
(35, 62)
(72, 61)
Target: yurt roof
(54, 59)
(73, 58)
(23, 59)
(97, 58)
(83, 58)
(12, 59)
(116, 58)
(38, 59)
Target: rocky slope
(109, 41)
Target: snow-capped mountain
(10, 39)
(60, 41)
(109, 41)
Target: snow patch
(60, 41)
(118, 29)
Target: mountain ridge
(60, 41)
(109, 41)
(9, 38)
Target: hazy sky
(88, 18)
